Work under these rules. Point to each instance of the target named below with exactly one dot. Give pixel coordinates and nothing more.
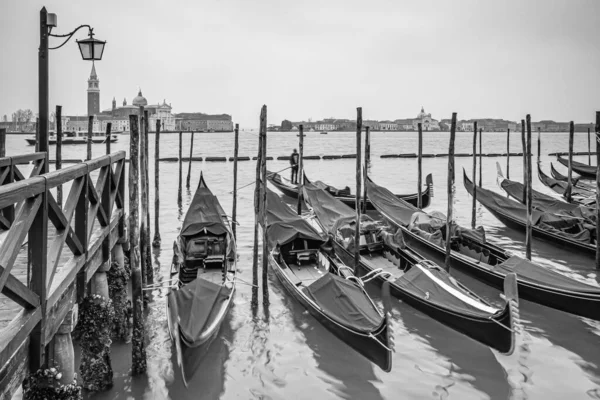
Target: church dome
(139, 100)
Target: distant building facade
(93, 93)
(200, 122)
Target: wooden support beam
(89, 137)
(300, 177)
(527, 152)
(597, 189)
(58, 161)
(570, 173)
(187, 181)
(508, 153)
(450, 217)
(263, 167)
(419, 166)
(156, 241)
(474, 207)
(16, 334)
(367, 161)
(358, 190)
(235, 171)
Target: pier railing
(40, 278)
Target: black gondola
(569, 231)
(586, 171)
(580, 193)
(419, 282)
(325, 286)
(542, 202)
(475, 255)
(203, 279)
(344, 195)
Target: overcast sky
(317, 58)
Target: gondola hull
(364, 344)
(586, 171)
(495, 334)
(291, 190)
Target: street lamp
(91, 49)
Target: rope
(254, 181)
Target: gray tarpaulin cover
(387, 203)
(284, 225)
(344, 302)
(579, 167)
(327, 208)
(528, 271)
(196, 304)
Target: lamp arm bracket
(70, 35)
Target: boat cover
(554, 223)
(394, 208)
(284, 225)
(346, 303)
(561, 188)
(580, 168)
(196, 304)
(205, 213)
(327, 208)
(576, 180)
(425, 286)
(528, 271)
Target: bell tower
(93, 91)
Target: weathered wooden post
(508, 153)
(597, 189)
(143, 197)
(146, 188)
(300, 165)
(156, 241)
(37, 134)
(138, 348)
(480, 157)
(539, 144)
(2, 142)
(257, 219)
(263, 167)
(419, 166)
(235, 167)
(524, 145)
(570, 174)
(451, 191)
(357, 201)
(589, 149)
(107, 140)
(187, 182)
(366, 165)
(528, 191)
(90, 135)
(474, 210)
(59, 134)
(180, 169)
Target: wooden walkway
(48, 253)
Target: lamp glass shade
(91, 49)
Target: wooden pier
(49, 253)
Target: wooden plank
(73, 266)
(27, 158)
(65, 175)
(5, 161)
(98, 162)
(4, 223)
(14, 372)
(18, 174)
(4, 173)
(37, 167)
(17, 331)
(16, 235)
(17, 191)
(15, 290)
(55, 315)
(81, 232)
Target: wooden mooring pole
(146, 199)
(597, 189)
(474, 210)
(59, 134)
(2, 142)
(180, 169)
(570, 173)
(235, 171)
(143, 196)
(300, 177)
(187, 181)
(263, 167)
(257, 220)
(480, 157)
(589, 149)
(419, 166)
(138, 349)
(357, 201)
(508, 153)
(527, 152)
(156, 241)
(107, 139)
(539, 144)
(366, 166)
(451, 192)
(524, 145)
(90, 136)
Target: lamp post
(91, 49)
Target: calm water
(285, 354)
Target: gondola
(544, 203)
(569, 231)
(474, 254)
(413, 279)
(202, 277)
(580, 193)
(325, 286)
(344, 195)
(586, 171)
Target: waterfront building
(404, 124)
(427, 123)
(373, 125)
(388, 126)
(200, 122)
(93, 93)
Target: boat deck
(377, 260)
(304, 275)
